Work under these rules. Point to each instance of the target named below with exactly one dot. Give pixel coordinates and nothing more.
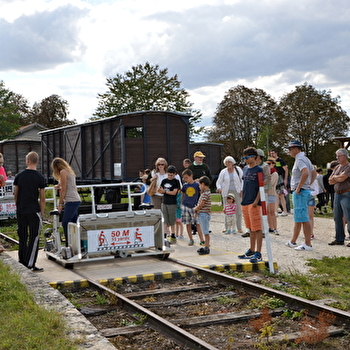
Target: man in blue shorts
(303, 175)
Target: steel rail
(157, 323)
(8, 239)
(294, 302)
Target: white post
(265, 223)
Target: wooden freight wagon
(115, 148)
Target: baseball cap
(295, 143)
(199, 154)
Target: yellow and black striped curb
(160, 276)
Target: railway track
(211, 310)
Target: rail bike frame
(110, 234)
(7, 201)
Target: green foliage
(265, 301)
(250, 117)
(240, 119)
(313, 117)
(23, 324)
(145, 87)
(51, 112)
(9, 113)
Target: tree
(241, 118)
(9, 113)
(51, 112)
(313, 117)
(143, 88)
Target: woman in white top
(69, 201)
(230, 181)
(159, 174)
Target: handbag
(152, 188)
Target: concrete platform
(143, 268)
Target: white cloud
(70, 47)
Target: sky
(70, 47)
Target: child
(190, 194)
(178, 226)
(230, 213)
(145, 198)
(169, 187)
(251, 205)
(203, 210)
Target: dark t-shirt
(169, 185)
(200, 170)
(29, 182)
(280, 163)
(191, 196)
(250, 184)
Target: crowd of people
(238, 184)
(185, 198)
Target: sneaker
(191, 242)
(181, 237)
(291, 245)
(312, 237)
(172, 240)
(270, 230)
(304, 247)
(247, 234)
(336, 243)
(276, 232)
(240, 231)
(202, 243)
(284, 214)
(233, 231)
(256, 257)
(203, 251)
(247, 255)
(224, 231)
(37, 269)
(227, 232)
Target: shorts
(169, 211)
(252, 217)
(271, 199)
(188, 216)
(203, 220)
(300, 202)
(311, 202)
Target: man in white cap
(199, 168)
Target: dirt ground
(287, 258)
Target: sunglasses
(269, 163)
(162, 164)
(247, 157)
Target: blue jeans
(203, 220)
(341, 209)
(70, 214)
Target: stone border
(78, 327)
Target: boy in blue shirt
(190, 194)
(251, 206)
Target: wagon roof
(116, 117)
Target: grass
(23, 324)
(328, 278)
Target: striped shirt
(205, 202)
(230, 209)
